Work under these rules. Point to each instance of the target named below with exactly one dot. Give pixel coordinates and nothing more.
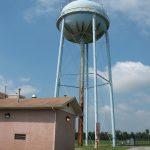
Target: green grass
(104, 145)
(102, 148)
(140, 143)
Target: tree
(119, 135)
(147, 133)
(91, 136)
(125, 135)
(132, 135)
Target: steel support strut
(59, 63)
(95, 78)
(111, 90)
(86, 99)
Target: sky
(29, 42)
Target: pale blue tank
(78, 21)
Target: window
(68, 105)
(20, 136)
(67, 119)
(7, 115)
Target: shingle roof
(40, 103)
(3, 95)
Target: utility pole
(81, 95)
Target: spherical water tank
(78, 16)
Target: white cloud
(4, 82)
(131, 82)
(136, 10)
(12, 87)
(131, 119)
(142, 114)
(103, 74)
(105, 109)
(124, 108)
(127, 118)
(24, 79)
(130, 76)
(142, 98)
(28, 89)
(40, 8)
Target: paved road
(140, 148)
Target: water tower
(84, 22)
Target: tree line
(120, 135)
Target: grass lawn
(104, 145)
(102, 148)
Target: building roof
(3, 95)
(15, 96)
(41, 103)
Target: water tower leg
(111, 91)
(86, 99)
(95, 79)
(57, 82)
(81, 94)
